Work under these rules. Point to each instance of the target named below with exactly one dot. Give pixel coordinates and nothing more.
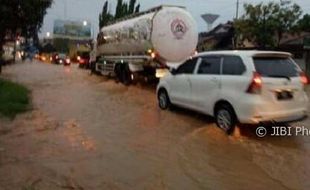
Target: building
(219, 38)
(297, 45)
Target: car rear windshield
(275, 67)
(62, 56)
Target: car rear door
(234, 80)
(206, 83)
(281, 83)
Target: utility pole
(236, 37)
(237, 10)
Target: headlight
(160, 73)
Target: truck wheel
(118, 73)
(93, 68)
(126, 75)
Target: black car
(64, 59)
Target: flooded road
(88, 132)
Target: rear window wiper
(279, 76)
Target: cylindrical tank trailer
(169, 31)
(162, 34)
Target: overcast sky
(90, 9)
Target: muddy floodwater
(88, 132)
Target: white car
(249, 87)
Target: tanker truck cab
(139, 46)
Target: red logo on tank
(178, 28)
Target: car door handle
(214, 79)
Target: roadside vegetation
(14, 99)
(123, 9)
(265, 24)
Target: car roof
(246, 53)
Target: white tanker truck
(143, 44)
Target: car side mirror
(173, 71)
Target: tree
(122, 9)
(105, 16)
(265, 24)
(304, 23)
(255, 25)
(131, 8)
(119, 9)
(22, 18)
(137, 9)
(286, 19)
(32, 16)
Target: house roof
(294, 39)
(218, 30)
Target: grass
(14, 98)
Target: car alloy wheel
(226, 118)
(163, 100)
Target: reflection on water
(67, 70)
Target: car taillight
(68, 60)
(303, 78)
(153, 55)
(256, 84)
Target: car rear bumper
(290, 119)
(280, 116)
